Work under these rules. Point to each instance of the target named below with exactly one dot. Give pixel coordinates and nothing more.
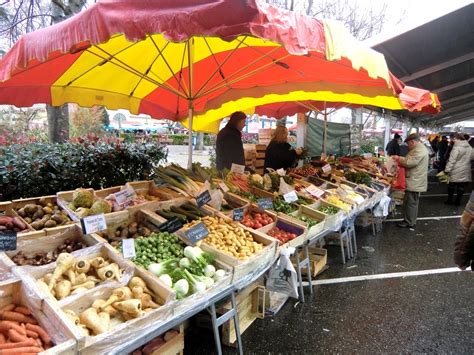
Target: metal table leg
(217, 322)
(341, 241)
(305, 263)
(306, 256)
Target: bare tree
(18, 120)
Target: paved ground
(178, 154)
(415, 314)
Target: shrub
(39, 169)
(179, 139)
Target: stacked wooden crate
(259, 158)
(249, 151)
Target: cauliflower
(82, 198)
(100, 206)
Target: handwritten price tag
(128, 248)
(93, 224)
(8, 240)
(223, 187)
(265, 203)
(327, 168)
(290, 197)
(124, 196)
(314, 191)
(196, 233)
(237, 168)
(203, 198)
(238, 214)
(171, 225)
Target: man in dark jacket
(229, 147)
(464, 244)
(393, 147)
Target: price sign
(281, 172)
(265, 203)
(238, 214)
(314, 191)
(237, 168)
(171, 225)
(290, 197)
(93, 224)
(203, 198)
(341, 192)
(327, 168)
(128, 248)
(7, 240)
(125, 196)
(223, 187)
(367, 155)
(196, 233)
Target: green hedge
(41, 169)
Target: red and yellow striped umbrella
(202, 59)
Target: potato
(30, 208)
(22, 212)
(50, 223)
(47, 210)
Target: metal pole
(190, 135)
(325, 131)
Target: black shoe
(405, 225)
(448, 202)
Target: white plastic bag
(282, 276)
(284, 187)
(391, 166)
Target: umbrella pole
(190, 136)
(325, 131)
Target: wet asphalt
(412, 314)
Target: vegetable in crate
(187, 212)
(20, 332)
(156, 343)
(229, 237)
(329, 210)
(43, 214)
(131, 230)
(155, 248)
(45, 258)
(256, 220)
(279, 205)
(15, 224)
(282, 235)
(311, 222)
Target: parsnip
(63, 263)
(63, 289)
(119, 294)
(132, 306)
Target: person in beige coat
(458, 169)
(416, 178)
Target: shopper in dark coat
(464, 244)
(229, 147)
(279, 154)
(443, 156)
(393, 147)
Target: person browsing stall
(229, 146)
(416, 164)
(279, 154)
(393, 147)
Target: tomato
(257, 225)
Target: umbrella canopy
(203, 58)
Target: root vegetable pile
(132, 230)
(156, 343)
(20, 332)
(43, 214)
(45, 258)
(15, 224)
(229, 237)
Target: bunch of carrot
(20, 332)
(240, 181)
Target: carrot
(8, 307)
(17, 317)
(6, 325)
(23, 310)
(16, 337)
(32, 334)
(43, 335)
(2, 339)
(25, 349)
(29, 342)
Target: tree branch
(23, 20)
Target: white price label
(290, 197)
(367, 155)
(281, 172)
(314, 191)
(341, 192)
(93, 224)
(124, 196)
(327, 168)
(128, 248)
(237, 168)
(223, 187)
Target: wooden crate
(17, 204)
(311, 213)
(250, 307)
(260, 147)
(127, 331)
(103, 193)
(174, 346)
(260, 155)
(6, 209)
(288, 224)
(318, 258)
(33, 273)
(259, 163)
(331, 221)
(30, 245)
(262, 193)
(243, 268)
(15, 291)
